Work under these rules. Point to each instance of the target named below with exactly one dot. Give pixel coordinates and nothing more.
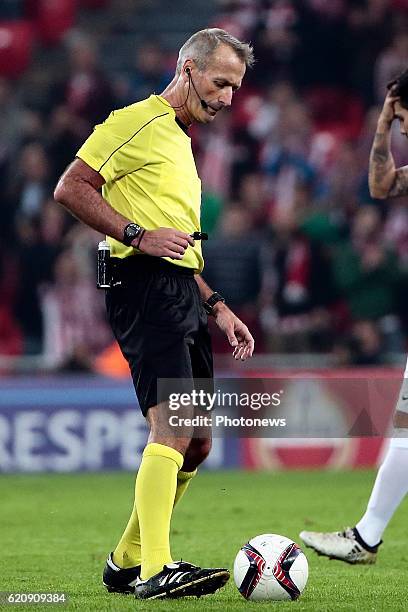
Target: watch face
(131, 232)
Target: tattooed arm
(384, 179)
(381, 171)
(400, 183)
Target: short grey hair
(201, 46)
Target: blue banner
(78, 423)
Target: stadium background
(314, 265)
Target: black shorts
(158, 319)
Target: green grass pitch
(55, 532)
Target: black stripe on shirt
(133, 135)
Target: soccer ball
(270, 567)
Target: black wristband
(212, 301)
(142, 233)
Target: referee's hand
(165, 242)
(236, 331)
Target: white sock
(390, 487)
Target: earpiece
(203, 103)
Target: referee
(142, 160)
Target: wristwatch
(131, 231)
(212, 301)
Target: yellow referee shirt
(146, 160)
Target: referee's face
(217, 83)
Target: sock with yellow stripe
(128, 551)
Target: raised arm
(400, 183)
(385, 181)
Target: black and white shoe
(180, 579)
(118, 580)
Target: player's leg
(360, 544)
(156, 485)
(391, 484)
(175, 578)
(191, 444)
(156, 471)
(197, 581)
(155, 491)
(156, 495)
(128, 552)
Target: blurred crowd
(297, 245)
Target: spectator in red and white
(294, 312)
(74, 330)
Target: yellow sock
(183, 480)
(128, 552)
(156, 485)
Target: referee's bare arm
(78, 191)
(236, 331)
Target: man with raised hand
(360, 543)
